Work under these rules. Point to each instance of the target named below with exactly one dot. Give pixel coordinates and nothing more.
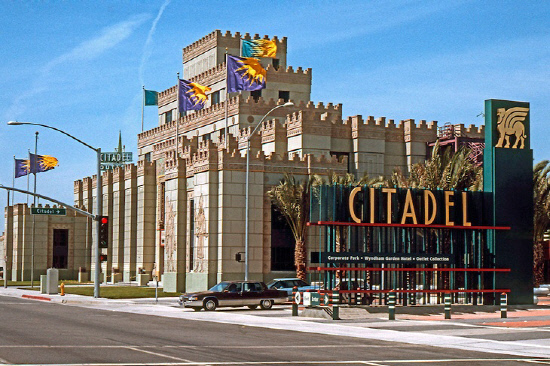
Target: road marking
(158, 354)
(332, 362)
(199, 347)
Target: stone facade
(180, 211)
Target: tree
(291, 198)
(541, 215)
(442, 170)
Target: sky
(80, 66)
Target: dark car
(234, 294)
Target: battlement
(272, 130)
(167, 96)
(130, 171)
(448, 131)
(317, 120)
(236, 105)
(217, 39)
(145, 167)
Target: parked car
(234, 294)
(287, 285)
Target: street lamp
(287, 104)
(99, 203)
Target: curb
(33, 297)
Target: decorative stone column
(174, 223)
(146, 192)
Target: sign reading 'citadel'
(415, 206)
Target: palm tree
(541, 217)
(291, 198)
(443, 170)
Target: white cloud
(147, 49)
(108, 38)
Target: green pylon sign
(508, 174)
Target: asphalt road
(35, 332)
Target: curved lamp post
(99, 199)
(287, 104)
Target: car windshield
(219, 287)
(270, 283)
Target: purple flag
(244, 73)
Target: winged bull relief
(510, 122)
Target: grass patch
(36, 283)
(120, 292)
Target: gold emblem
(510, 122)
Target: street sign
(307, 299)
(327, 299)
(48, 211)
(116, 157)
(298, 298)
(111, 160)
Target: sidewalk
(526, 331)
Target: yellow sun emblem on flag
(47, 162)
(198, 92)
(264, 48)
(253, 70)
(27, 165)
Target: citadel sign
(410, 206)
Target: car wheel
(266, 304)
(210, 304)
(252, 307)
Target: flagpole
(28, 174)
(177, 114)
(13, 182)
(142, 104)
(226, 106)
(34, 204)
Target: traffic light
(103, 257)
(104, 232)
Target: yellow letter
(448, 205)
(389, 191)
(371, 191)
(429, 196)
(351, 199)
(465, 209)
(409, 206)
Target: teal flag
(151, 97)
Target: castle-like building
(180, 211)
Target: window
(252, 287)
(235, 287)
(256, 94)
(284, 95)
(215, 98)
(275, 63)
(168, 117)
(148, 157)
(60, 248)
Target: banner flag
(151, 97)
(22, 167)
(41, 163)
(191, 96)
(259, 48)
(244, 73)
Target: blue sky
(80, 65)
